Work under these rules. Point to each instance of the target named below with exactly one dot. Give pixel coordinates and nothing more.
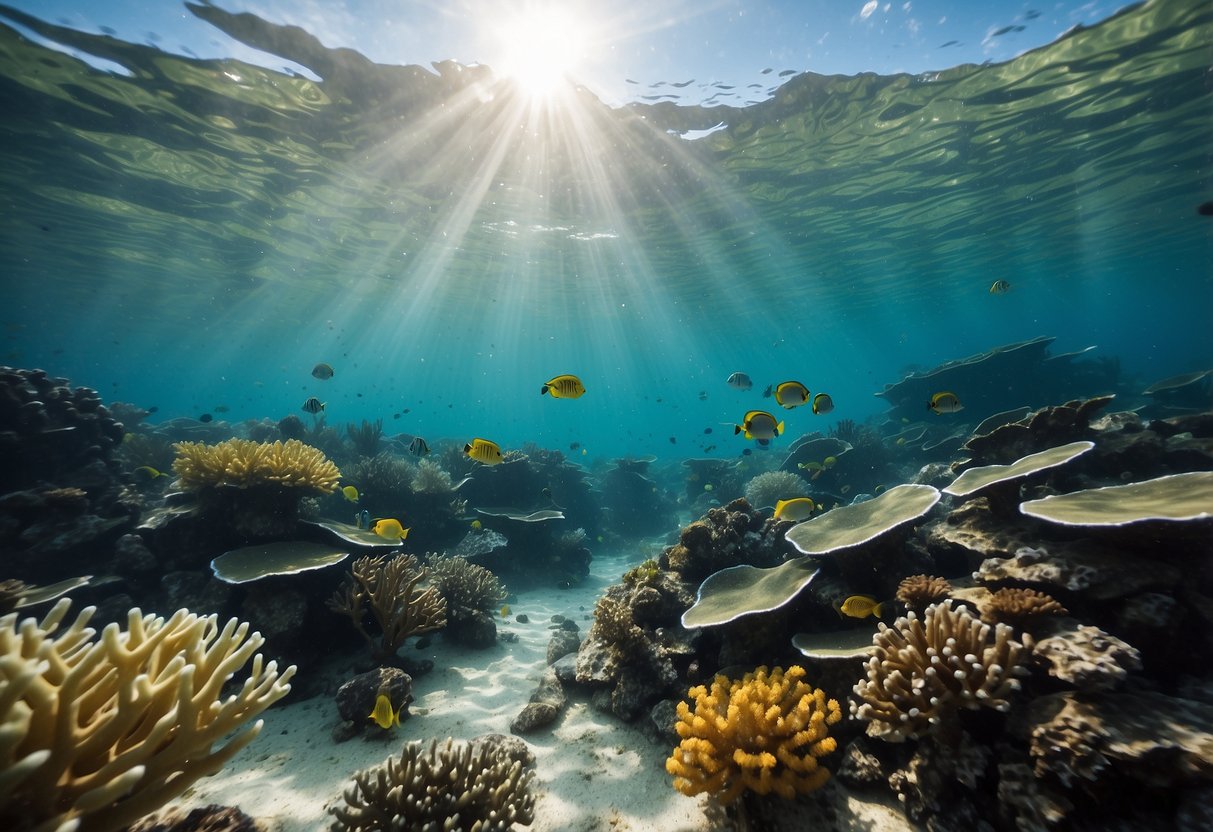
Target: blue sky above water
(627, 50)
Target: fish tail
(876, 609)
(737, 429)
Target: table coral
(99, 731)
(244, 463)
(927, 668)
(763, 732)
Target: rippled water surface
(185, 233)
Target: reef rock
(1080, 567)
(534, 716)
(1084, 656)
(728, 536)
(356, 698)
(1160, 740)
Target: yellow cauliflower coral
(763, 732)
(244, 463)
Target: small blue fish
(362, 519)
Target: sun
(540, 48)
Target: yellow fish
(482, 450)
(564, 387)
(999, 287)
(800, 508)
(860, 606)
(829, 462)
(822, 403)
(758, 424)
(945, 402)
(390, 529)
(476, 524)
(505, 610)
(149, 471)
(383, 714)
(791, 394)
(707, 486)
(350, 493)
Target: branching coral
(388, 589)
(917, 591)
(771, 487)
(1015, 605)
(763, 732)
(464, 585)
(458, 787)
(243, 463)
(96, 733)
(925, 669)
(365, 437)
(431, 479)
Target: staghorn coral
(763, 732)
(431, 479)
(458, 787)
(465, 586)
(917, 591)
(244, 463)
(1015, 606)
(925, 669)
(95, 733)
(769, 488)
(389, 589)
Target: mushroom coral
(763, 732)
(245, 463)
(925, 669)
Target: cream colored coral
(924, 669)
(763, 732)
(244, 463)
(98, 732)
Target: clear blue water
(193, 234)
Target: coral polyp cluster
(244, 463)
(763, 733)
(927, 668)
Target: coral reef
(465, 586)
(388, 590)
(727, 536)
(48, 429)
(101, 732)
(431, 479)
(764, 733)
(925, 669)
(918, 591)
(458, 787)
(243, 463)
(365, 437)
(768, 488)
(737, 591)
(1016, 605)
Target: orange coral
(763, 732)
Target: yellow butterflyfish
(383, 714)
(390, 529)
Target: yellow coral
(763, 732)
(244, 463)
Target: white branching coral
(925, 669)
(98, 732)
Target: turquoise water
(198, 234)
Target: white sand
(592, 771)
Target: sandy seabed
(592, 772)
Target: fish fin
(404, 533)
(737, 429)
(779, 429)
(876, 609)
(467, 447)
(543, 390)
